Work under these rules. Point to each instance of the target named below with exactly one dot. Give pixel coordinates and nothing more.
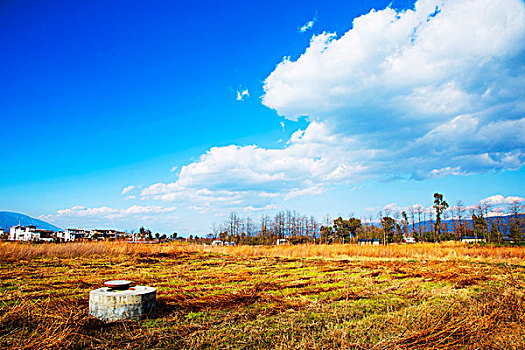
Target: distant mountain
(8, 219)
(448, 225)
(503, 221)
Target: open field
(291, 297)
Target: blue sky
(200, 109)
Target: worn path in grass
(211, 300)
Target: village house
(72, 234)
(106, 234)
(30, 233)
(282, 241)
(365, 241)
(409, 240)
(472, 239)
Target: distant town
(31, 233)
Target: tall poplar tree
(440, 205)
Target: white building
(30, 233)
(72, 234)
(99, 234)
(282, 241)
(368, 241)
(21, 233)
(409, 240)
(472, 239)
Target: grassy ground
(307, 297)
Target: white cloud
(235, 176)
(496, 205)
(436, 90)
(173, 169)
(430, 92)
(155, 217)
(308, 25)
(242, 95)
(251, 209)
(127, 189)
(111, 213)
(500, 199)
(308, 191)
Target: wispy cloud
(111, 213)
(118, 218)
(127, 189)
(242, 95)
(308, 25)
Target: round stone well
(118, 301)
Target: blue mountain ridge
(448, 223)
(8, 219)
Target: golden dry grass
(448, 250)
(423, 296)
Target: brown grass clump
(61, 323)
(41, 324)
(494, 319)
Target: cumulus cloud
(242, 95)
(127, 189)
(435, 90)
(243, 176)
(500, 199)
(308, 25)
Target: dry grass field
(424, 296)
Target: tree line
(440, 222)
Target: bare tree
(460, 227)
(265, 227)
(516, 224)
(419, 211)
(327, 220)
(249, 225)
(412, 215)
(314, 227)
